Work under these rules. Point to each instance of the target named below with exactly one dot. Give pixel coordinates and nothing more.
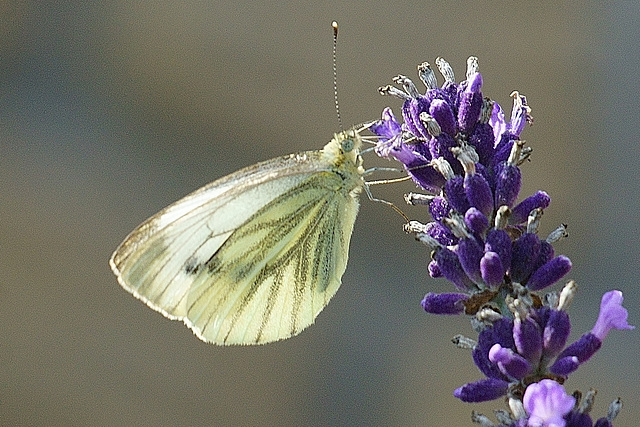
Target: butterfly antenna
(334, 25)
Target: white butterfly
(255, 256)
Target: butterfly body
(255, 256)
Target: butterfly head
(344, 148)
(347, 141)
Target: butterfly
(255, 256)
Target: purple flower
(387, 128)
(509, 362)
(547, 403)
(482, 391)
(549, 273)
(470, 104)
(612, 315)
(514, 351)
(519, 214)
(444, 303)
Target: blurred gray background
(111, 110)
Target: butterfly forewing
(153, 260)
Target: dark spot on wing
(192, 266)
(213, 264)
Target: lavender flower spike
(456, 145)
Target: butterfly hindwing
(276, 272)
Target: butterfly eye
(347, 145)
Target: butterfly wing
(250, 258)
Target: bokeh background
(111, 110)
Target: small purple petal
(434, 270)
(556, 332)
(501, 333)
(385, 148)
(416, 165)
(547, 403)
(476, 221)
(525, 253)
(439, 208)
(479, 193)
(521, 211)
(528, 338)
(546, 254)
(577, 419)
(454, 190)
(612, 315)
(426, 177)
(449, 303)
(498, 241)
(565, 366)
(497, 122)
(508, 182)
(503, 149)
(549, 273)
(520, 115)
(482, 391)
(475, 83)
(583, 349)
(411, 110)
(422, 148)
(440, 233)
(482, 139)
(442, 112)
(449, 91)
(388, 127)
(492, 269)
(400, 151)
(510, 362)
(470, 253)
(451, 268)
(486, 173)
(470, 104)
(440, 147)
